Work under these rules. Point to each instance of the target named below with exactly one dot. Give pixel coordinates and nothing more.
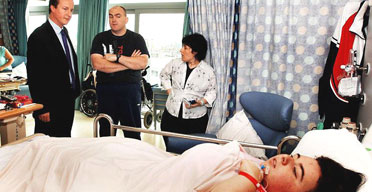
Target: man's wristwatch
(117, 57)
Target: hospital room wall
(365, 111)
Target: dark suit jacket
(48, 69)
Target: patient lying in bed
(119, 164)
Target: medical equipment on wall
(352, 127)
(350, 80)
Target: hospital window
(36, 20)
(38, 12)
(163, 40)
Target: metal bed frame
(192, 137)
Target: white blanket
(117, 164)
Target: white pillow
(239, 128)
(341, 146)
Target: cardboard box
(12, 129)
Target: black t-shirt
(106, 42)
(188, 72)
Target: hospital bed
(336, 144)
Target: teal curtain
(20, 17)
(4, 25)
(186, 21)
(92, 17)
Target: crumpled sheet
(117, 164)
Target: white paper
(349, 86)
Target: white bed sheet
(7, 152)
(117, 164)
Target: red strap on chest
(259, 187)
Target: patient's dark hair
(54, 3)
(336, 178)
(197, 43)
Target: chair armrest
(270, 109)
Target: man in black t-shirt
(119, 55)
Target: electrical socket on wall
(1, 36)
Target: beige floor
(83, 127)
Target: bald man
(119, 55)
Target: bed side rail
(185, 136)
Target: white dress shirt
(58, 30)
(200, 84)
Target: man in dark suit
(52, 71)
